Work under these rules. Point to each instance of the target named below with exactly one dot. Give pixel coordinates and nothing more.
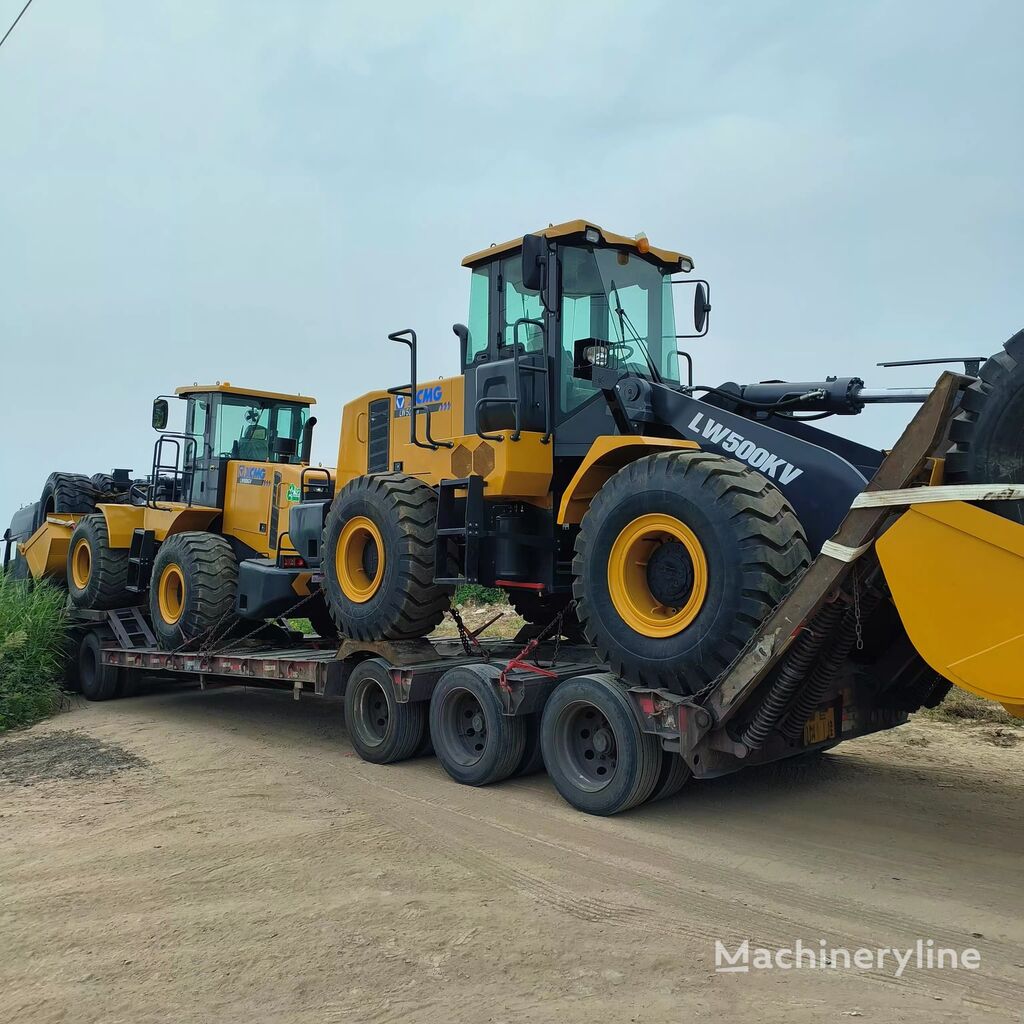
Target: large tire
(377, 556)
(192, 589)
(988, 431)
(97, 573)
(96, 681)
(594, 749)
(678, 560)
(382, 729)
(475, 741)
(67, 492)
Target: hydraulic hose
(794, 670)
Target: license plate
(821, 726)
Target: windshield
(619, 298)
(244, 427)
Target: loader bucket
(956, 573)
(46, 551)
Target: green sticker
(294, 494)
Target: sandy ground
(223, 856)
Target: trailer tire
(382, 729)
(377, 557)
(96, 681)
(595, 752)
(532, 760)
(71, 493)
(679, 559)
(97, 574)
(192, 593)
(988, 431)
(674, 774)
(474, 740)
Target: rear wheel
(96, 681)
(988, 431)
(476, 743)
(674, 774)
(382, 729)
(193, 586)
(594, 750)
(378, 559)
(97, 573)
(678, 560)
(319, 616)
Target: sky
(260, 192)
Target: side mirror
(159, 413)
(535, 250)
(461, 331)
(701, 307)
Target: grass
(958, 706)
(33, 625)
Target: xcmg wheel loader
(193, 541)
(575, 463)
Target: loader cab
(224, 423)
(556, 318)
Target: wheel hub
(586, 746)
(670, 574)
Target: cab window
(479, 310)
(519, 303)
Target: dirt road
(239, 863)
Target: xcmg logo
(252, 475)
(423, 397)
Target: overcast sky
(259, 192)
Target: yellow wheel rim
(350, 559)
(171, 593)
(650, 612)
(81, 564)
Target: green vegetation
(33, 624)
(473, 593)
(960, 706)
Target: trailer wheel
(97, 573)
(192, 589)
(674, 774)
(96, 681)
(594, 749)
(678, 560)
(988, 431)
(382, 729)
(377, 556)
(476, 743)
(532, 760)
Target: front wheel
(678, 560)
(192, 589)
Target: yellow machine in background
(199, 539)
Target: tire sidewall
(371, 676)
(725, 576)
(619, 792)
(490, 764)
(367, 615)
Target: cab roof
(575, 230)
(224, 388)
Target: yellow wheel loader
(575, 463)
(197, 541)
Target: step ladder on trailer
(131, 628)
